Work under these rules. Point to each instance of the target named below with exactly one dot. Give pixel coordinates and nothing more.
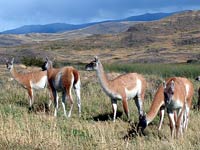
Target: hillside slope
(62, 27)
(173, 39)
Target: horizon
(16, 14)
(86, 22)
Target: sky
(16, 13)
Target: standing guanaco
(124, 87)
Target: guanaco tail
(124, 87)
(63, 80)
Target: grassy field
(20, 129)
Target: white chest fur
(129, 93)
(175, 104)
(41, 84)
(135, 91)
(58, 81)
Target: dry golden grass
(40, 130)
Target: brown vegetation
(173, 39)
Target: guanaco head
(47, 64)
(142, 122)
(93, 64)
(9, 64)
(168, 91)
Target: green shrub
(32, 61)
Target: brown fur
(64, 79)
(156, 104)
(158, 101)
(116, 88)
(185, 101)
(26, 79)
(127, 81)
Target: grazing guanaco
(156, 106)
(124, 87)
(32, 80)
(63, 80)
(176, 95)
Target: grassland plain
(20, 129)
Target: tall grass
(20, 129)
(163, 70)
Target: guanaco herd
(175, 94)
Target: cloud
(14, 13)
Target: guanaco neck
(103, 79)
(49, 68)
(158, 101)
(15, 74)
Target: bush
(32, 61)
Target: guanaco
(123, 87)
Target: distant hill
(61, 27)
(148, 17)
(172, 39)
(48, 28)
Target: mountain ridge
(62, 27)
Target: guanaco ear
(6, 60)
(172, 85)
(12, 61)
(164, 84)
(47, 58)
(96, 58)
